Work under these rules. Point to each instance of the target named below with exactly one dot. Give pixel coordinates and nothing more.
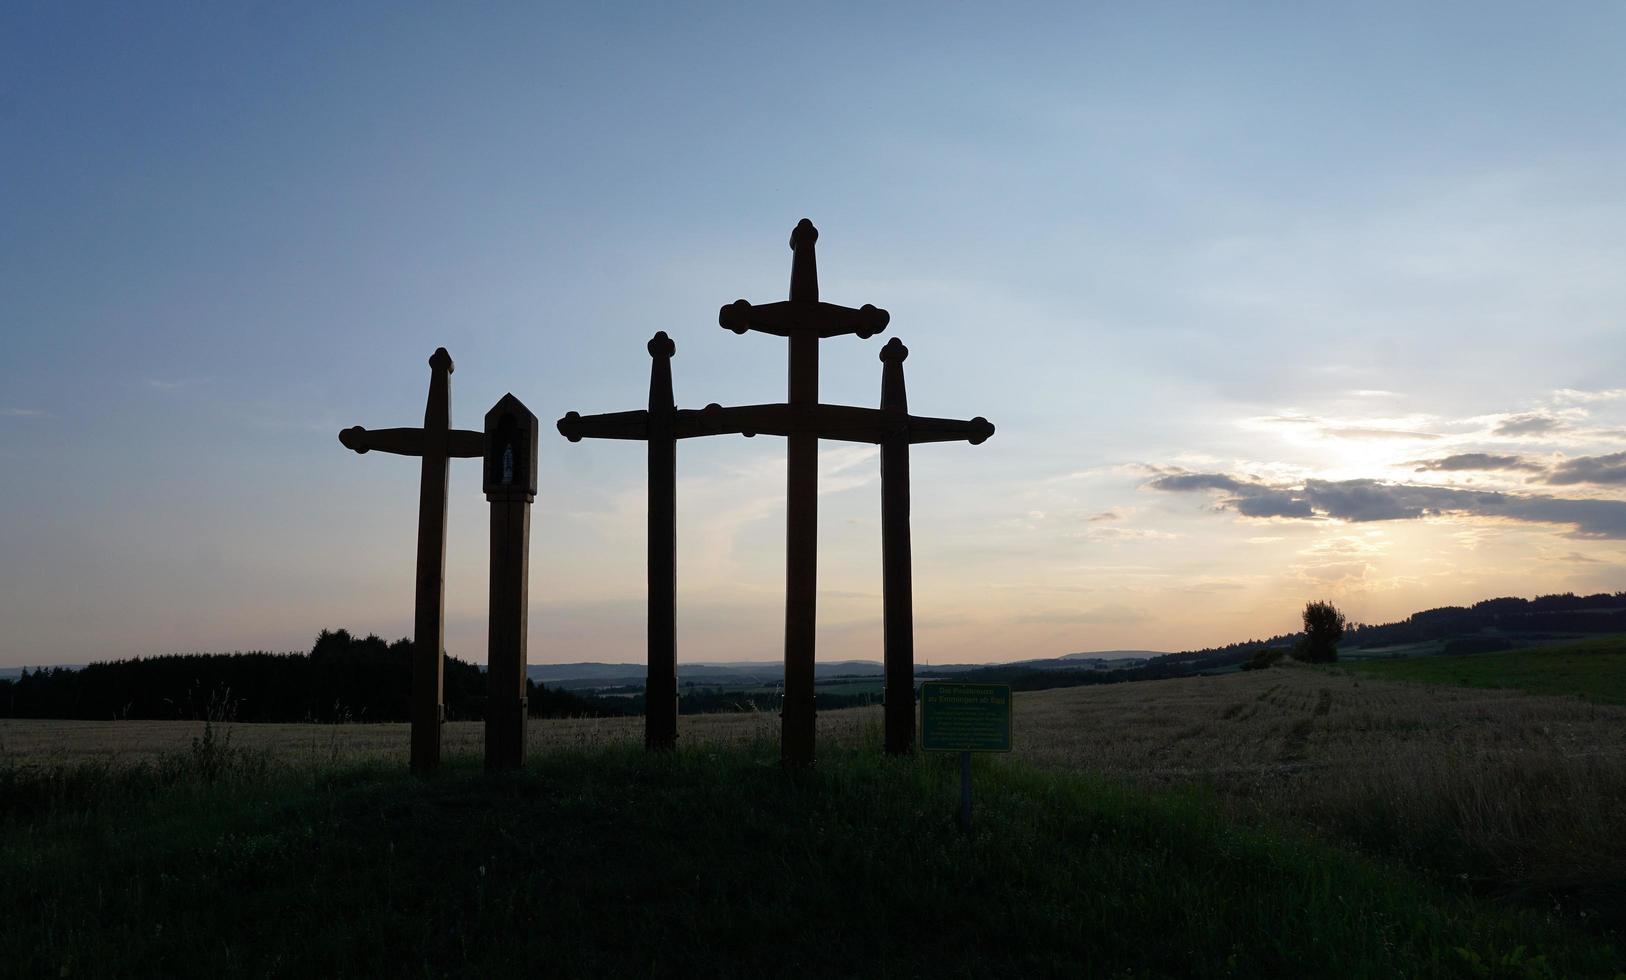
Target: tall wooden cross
(437, 442)
(661, 425)
(804, 421)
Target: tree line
(344, 678)
(1603, 612)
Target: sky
(1268, 303)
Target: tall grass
(710, 861)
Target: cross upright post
(661, 425)
(898, 431)
(804, 321)
(897, 575)
(437, 442)
(801, 515)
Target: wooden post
(897, 588)
(428, 627)
(799, 719)
(437, 442)
(660, 684)
(510, 486)
(661, 425)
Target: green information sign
(965, 717)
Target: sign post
(965, 718)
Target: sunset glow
(1315, 310)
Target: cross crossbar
(660, 425)
(843, 423)
(437, 443)
(460, 443)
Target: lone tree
(1323, 628)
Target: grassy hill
(1594, 669)
(713, 862)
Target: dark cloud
(1369, 500)
(1590, 469)
(1106, 515)
(1531, 424)
(1261, 501)
(1476, 461)
(1186, 482)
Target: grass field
(606, 861)
(1520, 797)
(1594, 669)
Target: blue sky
(1292, 248)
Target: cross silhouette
(661, 425)
(804, 421)
(437, 442)
(894, 430)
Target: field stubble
(1516, 793)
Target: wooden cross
(661, 425)
(437, 442)
(804, 421)
(894, 430)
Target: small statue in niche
(508, 465)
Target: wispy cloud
(1576, 558)
(23, 413)
(1365, 432)
(1530, 424)
(1573, 395)
(1351, 428)
(1098, 615)
(1114, 533)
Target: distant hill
(351, 678)
(1115, 655)
(741, 674)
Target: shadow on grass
(712, 861)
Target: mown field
(1499, 813)
(1594, 668)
